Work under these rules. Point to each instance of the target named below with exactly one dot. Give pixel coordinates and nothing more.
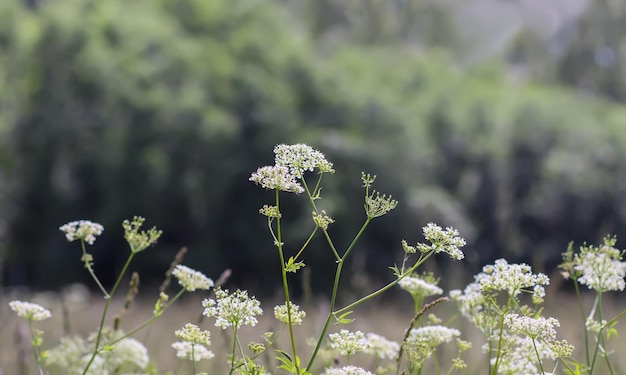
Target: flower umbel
(348, 343)
(234, 310)
(30, 311)
(347, 370)
(300, 157)
(191, 279)
(192, 334)
(139, 240)
(382, 347)
(601, 268)
(447, 241)
(189, 351)
(276, 177)
(82, 230)
(280, 312)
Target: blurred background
(502, 118)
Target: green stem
(499, 355)
(599, 339)
(386, 287)
(285, 285)
(35, 343)
(149, 321)
(90, 270)
(104, 312)
(584, 319)
(538, 357)
(329, 317)
(193, 358)
(232, 358)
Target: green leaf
(292, 266)
(342, 319)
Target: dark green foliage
(164, 108)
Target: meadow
(388, 318)
(508, 320)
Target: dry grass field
(388, 319)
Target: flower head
(234, 309)
(277, 177)
(347, 370)
(300, 157)
(191, 279)
(131, 351)
(195, 352)
(421, 286)
(82, 230)
(447, 241)
(601, 268)
(30, 311)
(139, 240)
(512, 278)
(381, 346)
(535, 328)
(348, 343)
(192, 334)
(280, 312)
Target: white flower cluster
(431, 336)
(602, 268)
(189, 351)
(348, 343)
(191, 279)
(512, 278)
(73, 354)
(291, 161)
(280, 312)
(30, 311)
(419, 287)
(82, 230)
(347, 370)
(300, 157)
(382, 347)
(276, 177)
(132, 351)
(234, 310)
(535, 328)
(446, 241)
(191, 333)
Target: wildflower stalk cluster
(504, 301)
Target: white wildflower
(195, 352)
(420, 287)
(191, 279)
(191, 333)
(446, 241)
(30, 311)
(82, 230)
(348, 343)
(300, 158)
(234, 310)
(280, 312)
(382, 347)
(347, 370)
(276, 177)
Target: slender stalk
(600, 333)
(232, 355)
(499, 355)
(35, 344)
(149, 321)
(329, 317)
(584, 319)
(285, 285)
(386, 287)
(104, 312)
(538, 357)
(90, 270)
